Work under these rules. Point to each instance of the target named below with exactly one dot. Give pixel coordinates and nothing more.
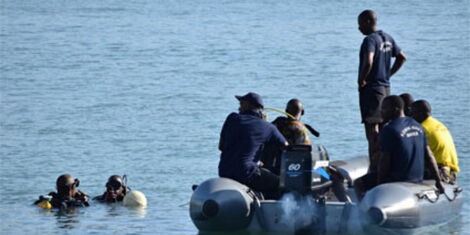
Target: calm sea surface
(95, 88)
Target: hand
(440, 187)
(362, 84)
(260, 164)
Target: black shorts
(370, 101)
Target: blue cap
(252, 98)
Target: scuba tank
(44, 202)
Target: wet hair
(395, 102)
(294, 107)
(112, 180)
(368, 15)
(422, 106)
(64, 183)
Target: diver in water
(116, 189)
(67, 195)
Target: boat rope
(426, 195)
(457, 191)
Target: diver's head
(295, 108)
(115, 189)
(250, 101)
(66, 185)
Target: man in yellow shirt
(439, 139)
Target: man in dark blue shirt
(242, 139)
(404, 150)
(375, 71)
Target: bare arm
(399, 61)
(432, 166)
(366, 68)
(383, 167)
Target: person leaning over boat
(67, 195)
(292, 129)
(404, 150)
(242, 138)
(375, 55)
(439, 139)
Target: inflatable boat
(311, 204)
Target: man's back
(384, 48)
(294, 131)
(441, 143)
(244, 135)
(404, 139)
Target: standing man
(242, 139)
(375, 71)
(440, 141)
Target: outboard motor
(302, 169)
(221, 204)
(303, 174)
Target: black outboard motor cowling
(302, 169)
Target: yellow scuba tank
(45, 205)
(44, 202)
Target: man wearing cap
(242, 139)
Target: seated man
(292, 129)
(408, 100)
(439, 139)
(67, 195)
(116, 190)
(242, 138)
(404, 150)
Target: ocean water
(95, 88)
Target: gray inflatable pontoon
(222, 204)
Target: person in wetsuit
(67, 195)
(295, 132)
(116, 190)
